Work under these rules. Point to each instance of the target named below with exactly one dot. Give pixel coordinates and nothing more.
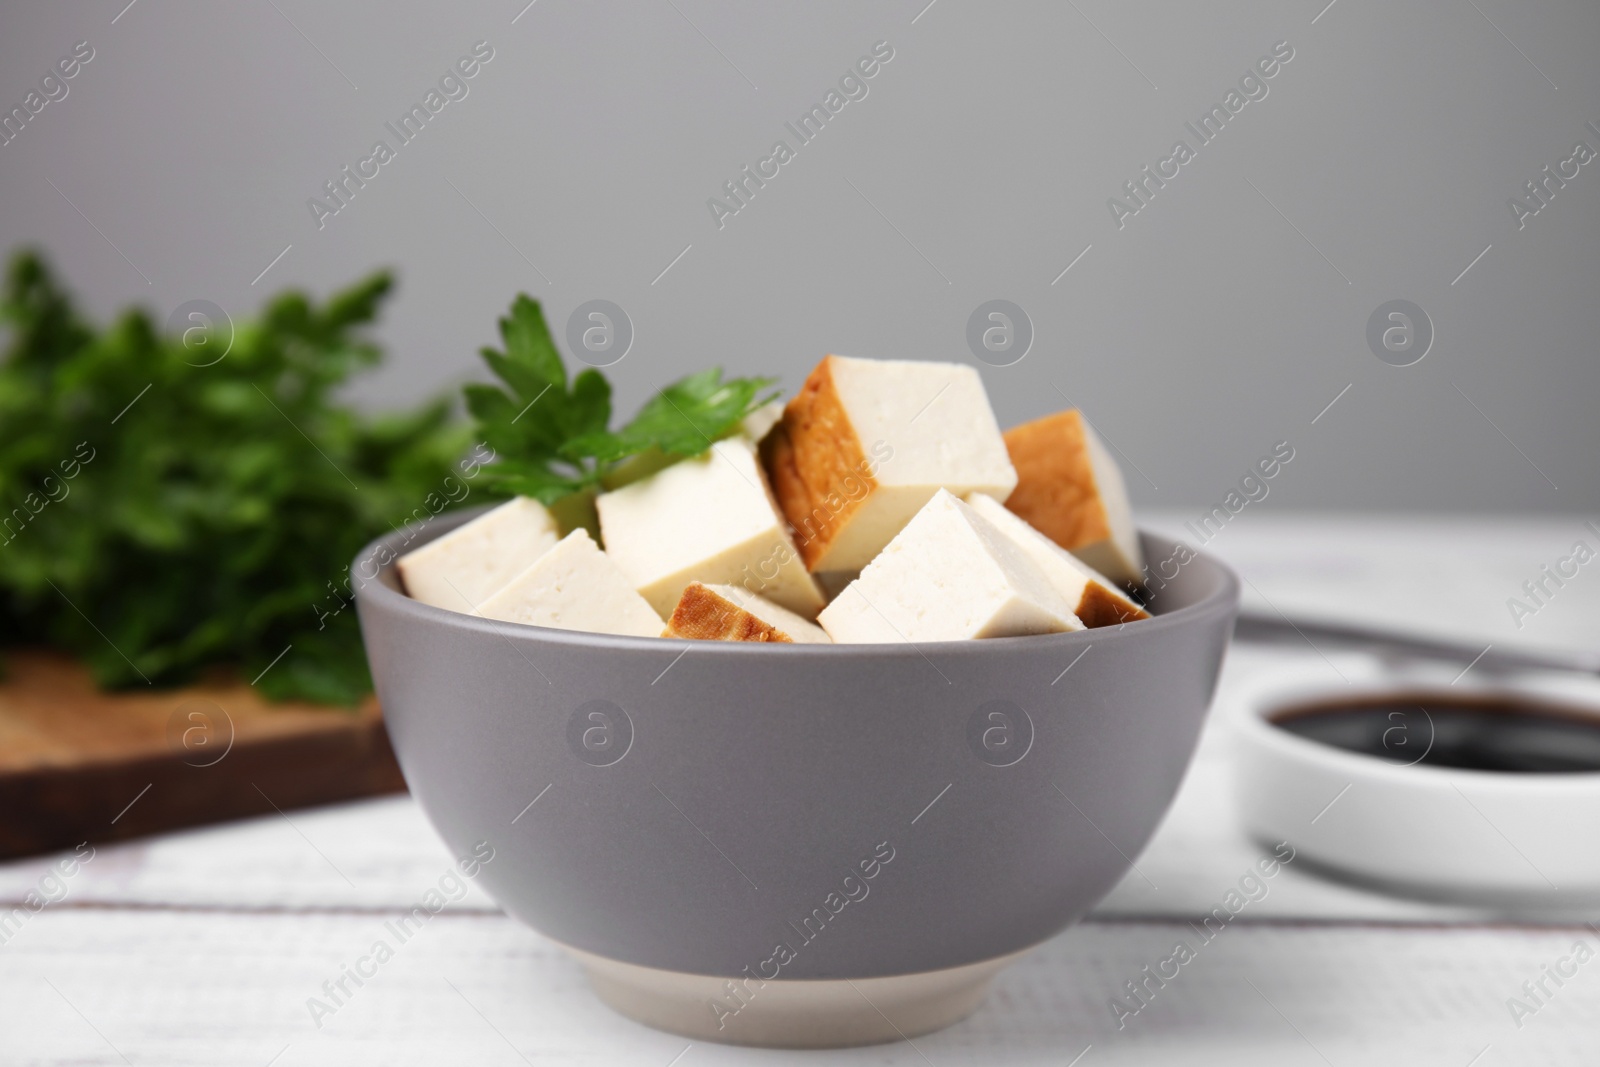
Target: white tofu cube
(1094, 598)
(1071, 490)
(729, 613)
(466, 566)
(574, 587)
(948, 576)
(866, 443)
(710, 518)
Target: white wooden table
(204, 947)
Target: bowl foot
(811, 1013)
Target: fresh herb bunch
(552, 437)
(158, 517)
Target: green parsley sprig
(161, 515)
(552, 435)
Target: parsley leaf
(685, 417)
(553, 440)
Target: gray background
(1222, 318)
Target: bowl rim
(375, 593)
(1257, 699)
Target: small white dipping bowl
(1514, 839)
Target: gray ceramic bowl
(794, 844)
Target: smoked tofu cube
(866, 443)
(949, 575)
(574, 586)
(469, 564)
(1095, 599)
(709, 519)
(1071, 490)
(729, 613)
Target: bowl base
(809, 1013)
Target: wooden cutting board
(78, 764)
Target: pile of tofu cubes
(882, 504)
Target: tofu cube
(866, 443)
(466, 566)
(574, 586)
(1071, 490)
(710, 519)
(1095, 599)
(949, 575)
(729, 613)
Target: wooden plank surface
(79, 764)
(208, 988)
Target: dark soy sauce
(1480, 733)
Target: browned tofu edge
(703, 615)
